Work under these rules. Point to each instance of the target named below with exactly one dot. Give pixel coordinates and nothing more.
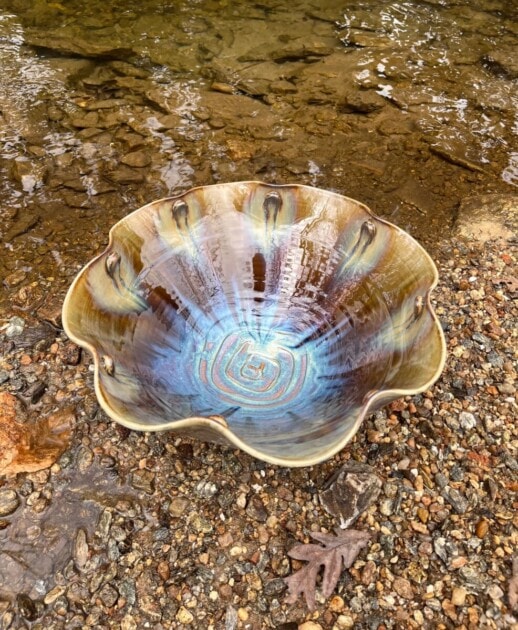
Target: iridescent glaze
(272, 317)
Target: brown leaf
(27, 447)
(338, 552)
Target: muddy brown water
(409, 107)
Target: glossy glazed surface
(272, 316)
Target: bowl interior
(286, 310)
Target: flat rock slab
(487, 217)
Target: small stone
(137, 159)
(178, 506)
(256, 510)
(423, 514)
(9, 501)
(81, 551)
(108, 595)
(495, 592)
(344, 622)
(53, 594)
(163, 570)
(143, 480)
(350, 491)
(200, 524)
(27, 607)
(454, 497)
(70, 353)
(184, 616)
(403, 588)
(14, 327)
(242, 614)
(387, 507)
(458, 596)
(467, 420)
(506, 388)
(337, 603)
(310, 625)
(241, 501)
(128, 623)
(481, 528)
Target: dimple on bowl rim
(218, 424)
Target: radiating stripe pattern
(285, 311)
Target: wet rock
(300, 50)
(126, 175)
(361, 102)
(83, 122)
(501, 64)
(9, 501)
(28, 608)
(23, 224)
(487, 217)
(137, 159)
(31, 175)
(73, 44)
(350, 491)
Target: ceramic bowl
(270, 317)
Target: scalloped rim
(215, 425)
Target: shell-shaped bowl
(271, 317)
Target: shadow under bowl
(270, 317)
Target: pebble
(15, 327)
(467, 420)
(178, 506)
(350, 491)
(184, 616)
(137, 159)
(108, 595)
(457, 500)
(81, 550)
(458, 596)
(9, 502)
(256, 510)
(403, 588)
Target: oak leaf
(338, 552)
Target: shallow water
(406, 106)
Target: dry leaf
(27, 447)
(338, 553)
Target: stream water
(104, 106)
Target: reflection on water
(407, 106)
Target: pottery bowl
(270, 317)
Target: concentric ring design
(274, 317)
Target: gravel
(158, 531)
